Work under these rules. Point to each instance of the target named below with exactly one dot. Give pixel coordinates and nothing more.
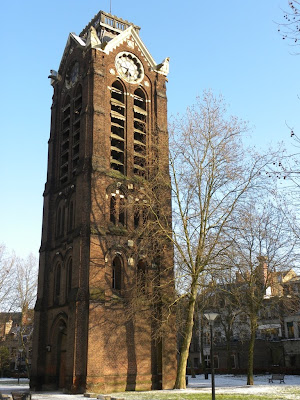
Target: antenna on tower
(110, 6)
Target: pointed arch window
(117, 273)
(60, 219)
(113, 208)
(69, 276)
(70, 213)
(65, 140)
(140, 131)
(117, 135)
(71, 216)
(117, 208)
(136, 216)
(140, 215)
(77, 107)
(57, 282)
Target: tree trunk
(253, 326)
(187, 337)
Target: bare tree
(26, 283)
(210, 175)
(290, 28)
(262, 245)
(18, 281)
(25, 296)
(8, 263)
(18, 284)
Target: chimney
(263, 266)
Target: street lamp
(211, 316)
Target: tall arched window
(112, 206)
(136, 215)
(140, 130)
(57, 282)
(60, 219)
(69, 276)
(117, 135)
(117, 273)
(65, 141)
(77, 106)
(71, 214)
(140, 212)
(122, 210)
(58, 222)
(117, 208)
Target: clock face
(129, 67)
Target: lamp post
(211, 316)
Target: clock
(72, 75)
(129, 67)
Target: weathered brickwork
(89, 333)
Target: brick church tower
(100, 320)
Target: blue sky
(231, 47)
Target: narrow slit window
(69, 276)
(116, 273)
(113, 209)
(57, 282)
(117, 208)
(71, 216)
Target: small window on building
(290, 329)
(207, 360)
